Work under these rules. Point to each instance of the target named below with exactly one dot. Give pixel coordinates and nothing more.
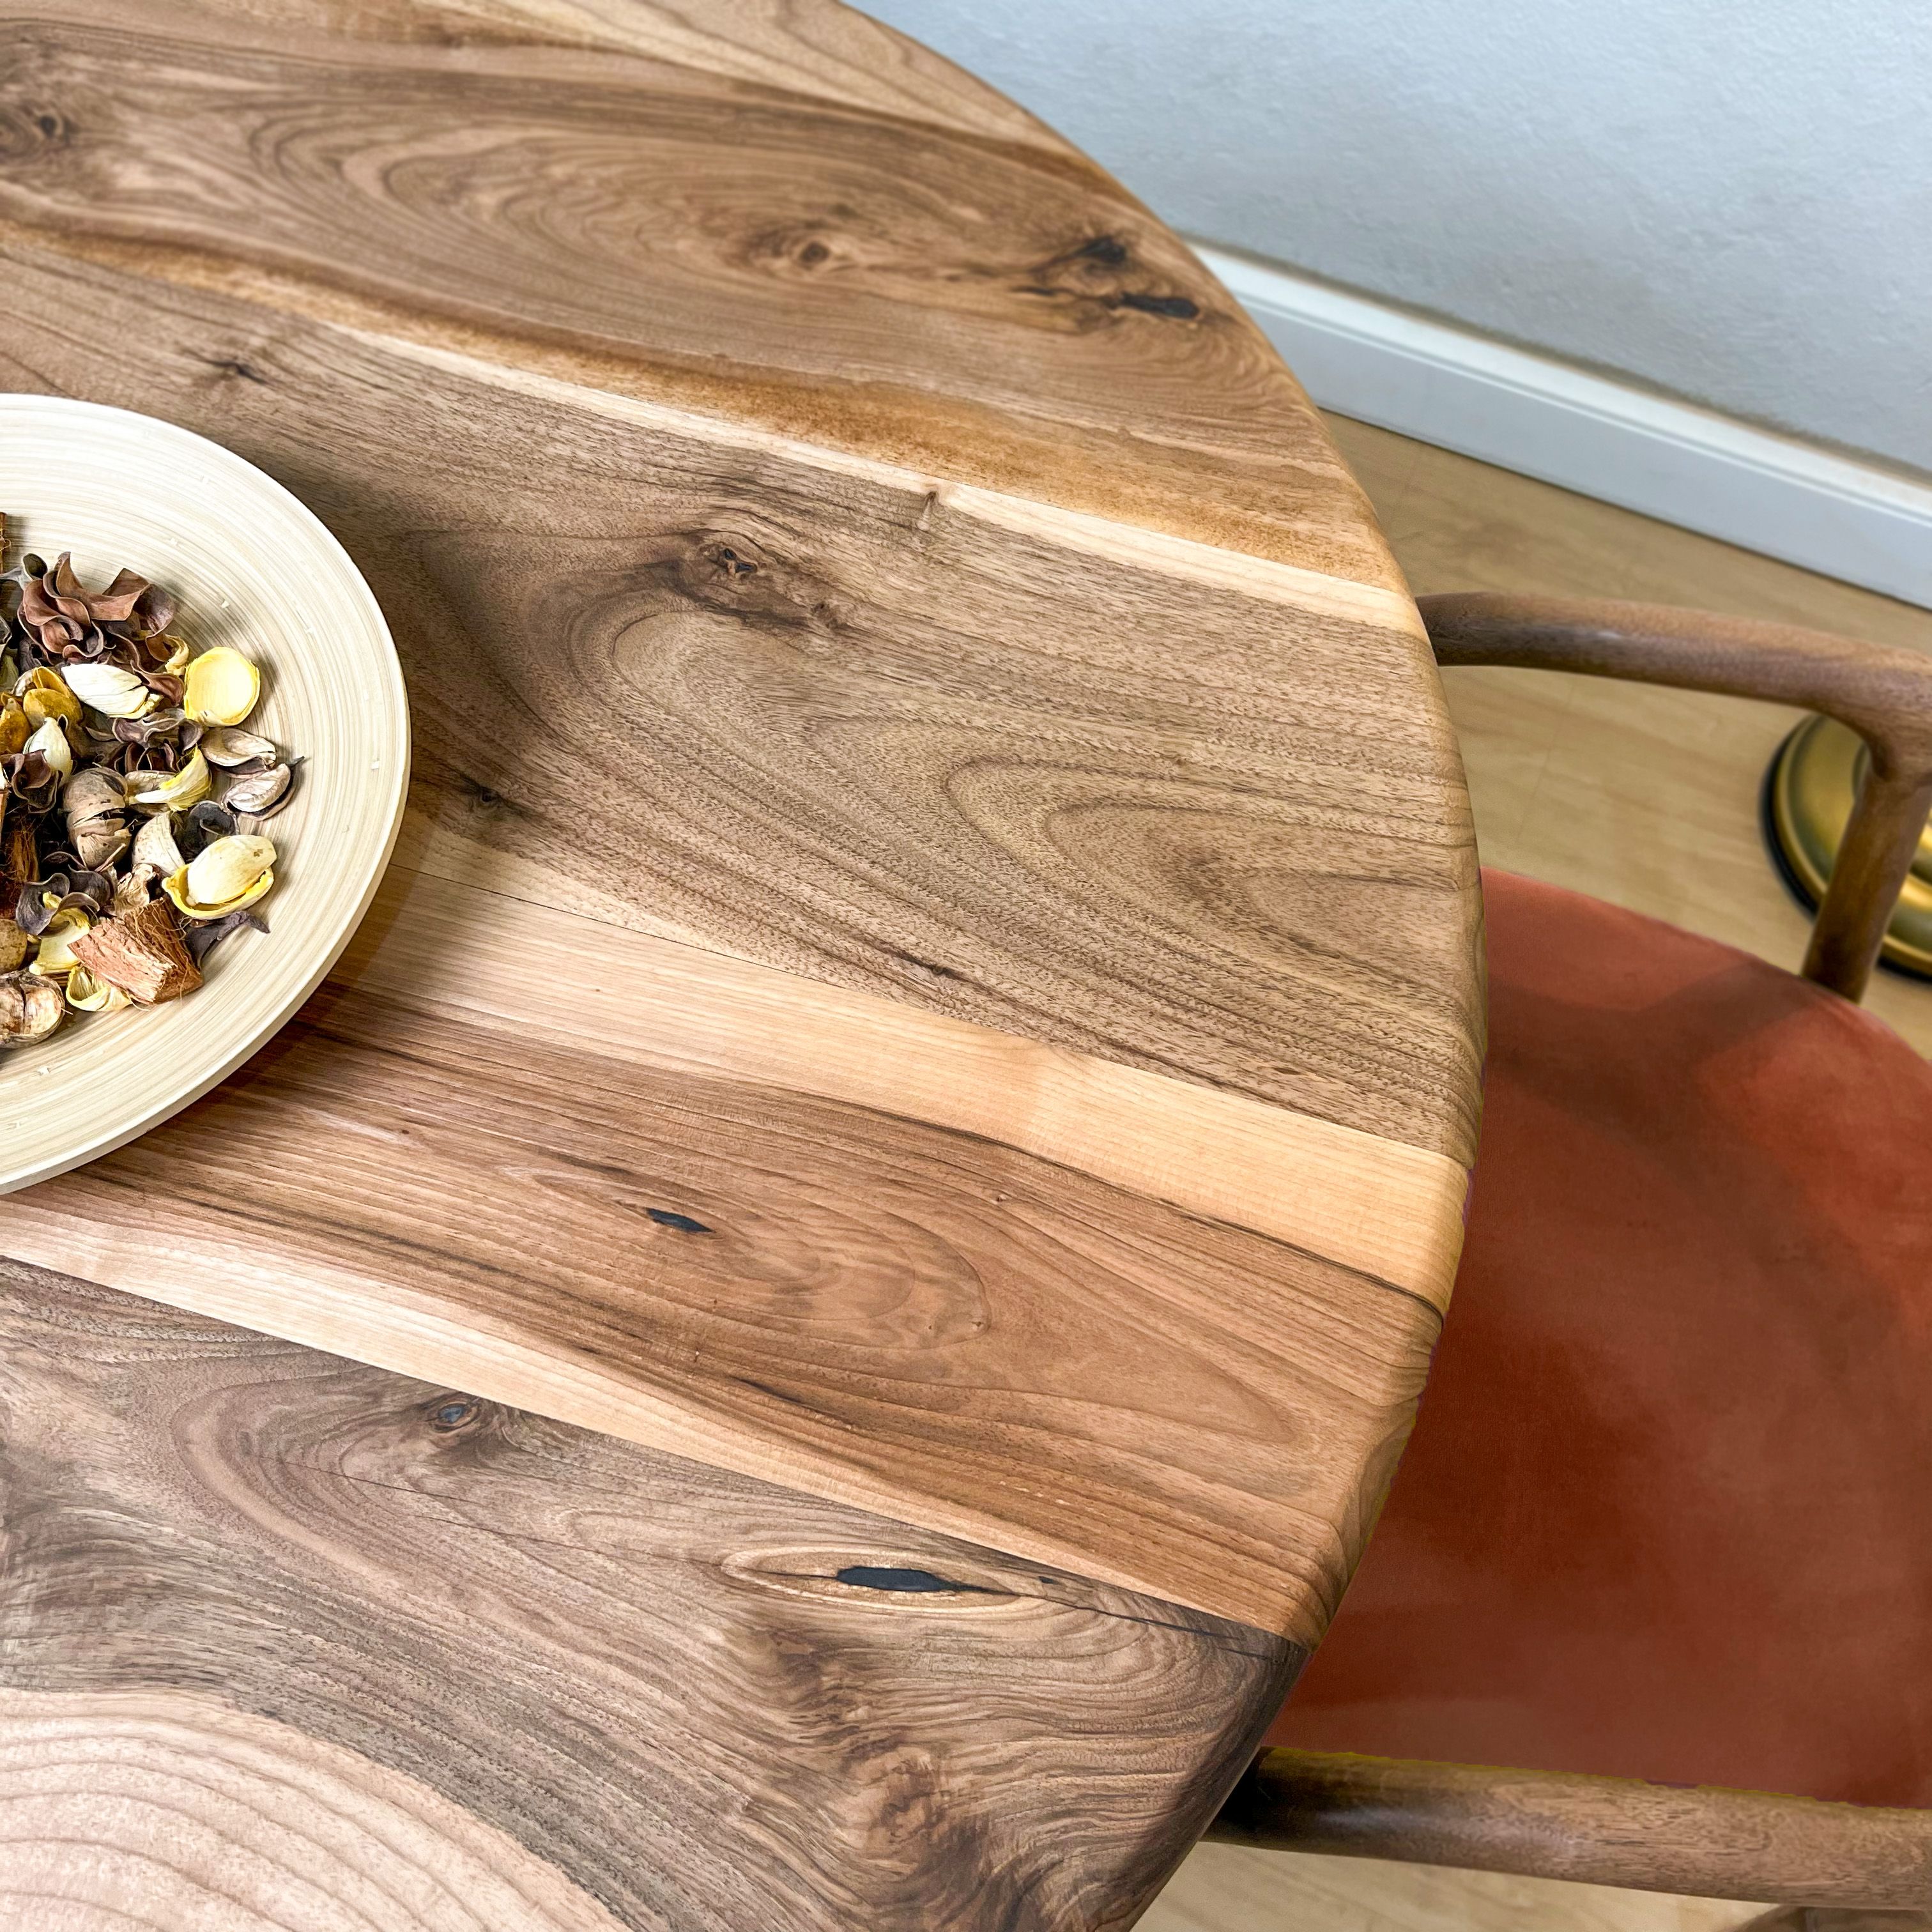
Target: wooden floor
(1647, 798)
(1229, 1888)
(1644, 797)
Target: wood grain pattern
(871, 602)
(288, 1641)
(169, 1808)
(836, 54)
(818, 717)
(668, 1234)
(998, 310)
(938, 795)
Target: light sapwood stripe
(839, 728)
(1133, 545)
(853, 1303)
(1380, 1207)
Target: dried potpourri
(131, 800)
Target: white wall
(1731, 199)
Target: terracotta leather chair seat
(1667, 1512)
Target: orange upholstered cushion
(1667, 1512)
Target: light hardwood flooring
(1647, 798)
(1229, 1888)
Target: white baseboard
(1608, 439)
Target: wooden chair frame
(1834, 1865)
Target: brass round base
(1809, 793)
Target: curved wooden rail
(1884, 693)
(1596, 1831)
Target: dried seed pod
(154, 846)
(154, 791)
(94, 794)
(111, 691)
(91, 891)
(223, 877)
(54, 958)
(108, 686)
(92, 800)
(141, 953)
(42, 902)
(49, 740)
(221, 687)
(101, 847)
(260, 794)
(230, 748)
(87, 994)
(34, 910)
(30, 1009)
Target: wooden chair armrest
(1698, 1840)
(1884, 694)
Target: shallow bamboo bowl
(254, 569)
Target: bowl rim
(56, 1157)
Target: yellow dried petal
(224, 876)
(222, 687)
(55, 955)
(43, 693)
(153, 791)
(87, 994)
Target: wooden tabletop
(927, 1022)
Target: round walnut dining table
(808, 1331)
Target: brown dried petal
(204, 935)
(166, 723)
(31, 781)
(204, 823)
(259, 794)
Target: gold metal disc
(1809, 793)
